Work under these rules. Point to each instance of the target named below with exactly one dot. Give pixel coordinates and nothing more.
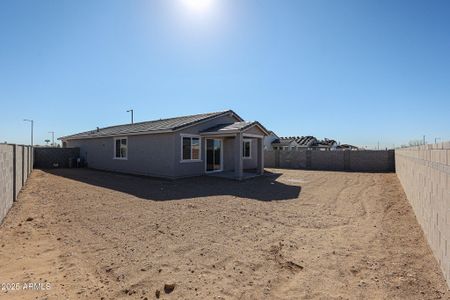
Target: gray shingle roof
(233, 127)
(237, 126)
(170, 124)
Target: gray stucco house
(220, 143)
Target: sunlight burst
(199, 6)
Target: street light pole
(32, 125)
(53, 137)
(132, 115)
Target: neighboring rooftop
(349, 147)
(169, 124)
(304, 141)
(281, 142)
(326, 143)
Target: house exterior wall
(228, 154)
(150, 155)
(196, 168)
(254, 130)
(252, 162)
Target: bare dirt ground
(289, 235)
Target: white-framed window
(190, 148)
(247, 149)
(121, 148)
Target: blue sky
(356, 71)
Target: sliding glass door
(213, 155)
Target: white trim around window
(123, 148)
(195, 154)
(249, 142)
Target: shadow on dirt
(262, 188)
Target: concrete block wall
(25, 162)
(291, 159)
(6, 179)
(328, 160)
(19, 164)
(424, 173)
(269, 158)
(358, 161)
(16, 163)
(48, 158)
(379, 160)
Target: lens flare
(198, 6)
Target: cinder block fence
(49, 158)
(16, 163)
(357, 161)
(424, 173)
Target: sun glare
(198, 6)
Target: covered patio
(235, 150)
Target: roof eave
(219, 134)
(236, 131)
(67, 138)
(256, 123)
(208, 119)
(72, 137)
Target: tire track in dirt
(224, 244)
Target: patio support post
(260, 150)
(238, 162)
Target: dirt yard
(288, 235)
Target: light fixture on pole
(32, 125)
(132, 115)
